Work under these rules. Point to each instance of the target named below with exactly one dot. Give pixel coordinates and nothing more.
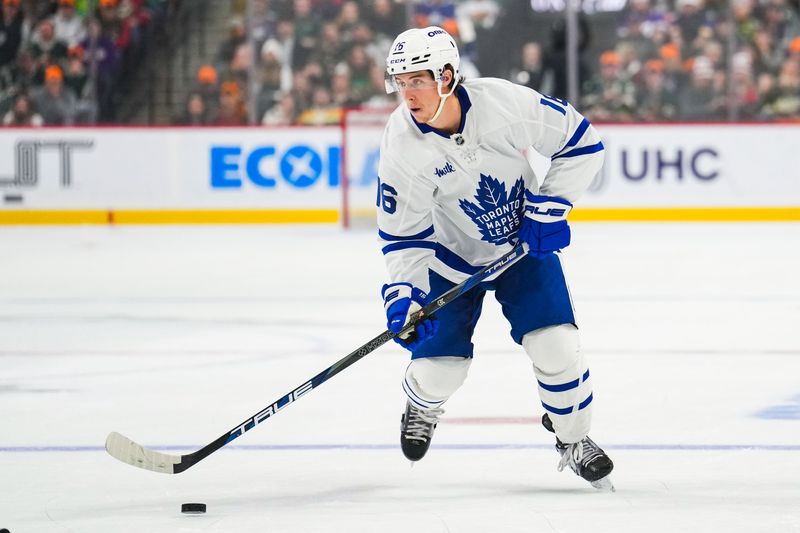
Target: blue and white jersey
(453, 203)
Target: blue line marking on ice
(455, 446)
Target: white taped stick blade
(122, 448)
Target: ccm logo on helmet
(435, 32)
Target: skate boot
(585, 458)
(416, 430)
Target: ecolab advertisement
(301, 168)
(170, 168)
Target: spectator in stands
(655, 102)
(274, 77)
(76, 79)
(783, 101)
(340, 87)
(349, 17)
(639, 24)
(379, 98)
(285, 36)
(102, 57)
(45, 48)
(11, 19)
(329, 51)
(36, 10)
(117, 29)
(363, 36)
(301, 90)
(281, 114)
(700, 100)
(232, 110)
(195, 113)
(322, 111)
(75, 75)
(745, 97)
(237, 35)
(69, 26)
(630, 61)
(22, 114)
(207, 86)
(767, 57)
(306, 30)
(674, 75)
(23, 73)
(360, 65)
(746, 24)
(691, 16)
(609, 95)
(262, 21)
(640, 18)
(530, 72)
(239, 68)
(794, 50)
(386, 18)
(54, 101)
(780, 19)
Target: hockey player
(456, 192)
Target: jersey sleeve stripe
(584, 150)
(421, 235)
(408, 244)
(582, 127)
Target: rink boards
(686, 172)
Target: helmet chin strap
(442, 99)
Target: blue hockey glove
(401, 300)
(544, 227)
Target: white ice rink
(173, 335)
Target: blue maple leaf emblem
(496, 213)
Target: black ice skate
(585, 458)
(416, 430)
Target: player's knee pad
(565, 388)
(553, 350)
(430, 381)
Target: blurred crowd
(700, 60)
(689, 60)
(286, 62)
(65, 62)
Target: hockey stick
(127, 451)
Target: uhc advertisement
(298, 171)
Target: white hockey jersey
(453, 203)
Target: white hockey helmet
(418, 49)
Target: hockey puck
(4, 530)
(192, 508)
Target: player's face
(419, 92)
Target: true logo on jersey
(496, 214)
(446, 169)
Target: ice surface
(174, 335)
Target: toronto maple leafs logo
(496, 214)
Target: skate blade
(604, 484)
